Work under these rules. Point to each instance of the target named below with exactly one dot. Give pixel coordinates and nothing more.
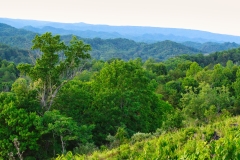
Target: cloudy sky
(218, 16)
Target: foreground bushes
(217, 141)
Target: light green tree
(57, 64)
(195, 104)
(193, 70)
(16, 123)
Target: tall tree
(57, 64)
(124, 96)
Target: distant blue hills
(15, 43)
(136, 33)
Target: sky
(217, 16)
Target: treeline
(106, 49)
(8, 74)
(215, 58)
(102, 49)
(210, 47)
(66, 102)
(16, 55)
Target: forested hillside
(15, 37)
(215, 58)
(16, 55)
(126, 49)
(210, 47)
(103, 49)
(65, 103)
(84, 33)
(8, 74)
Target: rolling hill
(16, 37)
(210, 47)
(137, 33)
(106, 49)
(103, 49)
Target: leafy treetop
(58, 62)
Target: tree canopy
(57, 64)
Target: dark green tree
(124, 96)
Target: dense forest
(106, 49)
(67, 105)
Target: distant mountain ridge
(14, 37)
(137, 33)
(84, 34)
(106, 49)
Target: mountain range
(136, 33)
(103, 48)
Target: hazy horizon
(212, 16)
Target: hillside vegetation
(16, 55)
(103, 49)
(215, 58)
(106, 49)
(210, 47)
(15, 37)
(8, 74)
(220, 140)
(66, 104)
(126, 49)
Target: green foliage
(193, 70)
(103, 49)
(51, 111)
(87, 148)
(63, 129)
(127, 49)
(196, 104)
(15, 37)
(8, 74)
(123, 95)
(156, 68)
(16, 123)
(216, 141)
(58, 62)
(171, 92)
(138, 137)
(174, 120)
(119, 138)
(75, 100)
(15, 55)
(26, 98)
(210, 47)
(215, 58)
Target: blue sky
(218, 16)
